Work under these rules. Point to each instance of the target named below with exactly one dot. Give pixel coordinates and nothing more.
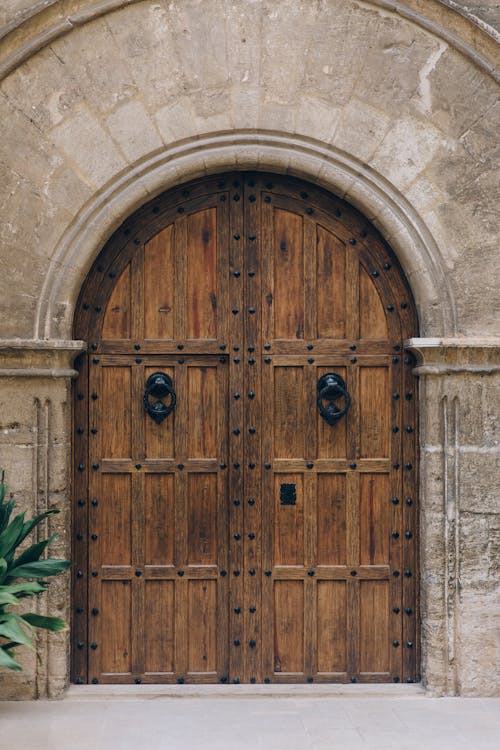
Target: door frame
(144, 215)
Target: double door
(245, 445)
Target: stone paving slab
(249, 720)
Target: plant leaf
(49, 567)
(34, 552)
(5, 512)
(7, 598)
(3, 569)
(10, 535)
(10, 628)
(41, 621)
(26, 588)
(7, 661)
(29, 525)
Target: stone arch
(334, 170)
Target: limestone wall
(392, 105)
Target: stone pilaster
(35, 451)
(460, 513)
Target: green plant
(15, 629)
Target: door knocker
(159, 386)
(331, 388)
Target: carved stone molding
(448, 356)
(27, 358)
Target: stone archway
(100, 122)
(187, 286)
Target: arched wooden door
(261, 531)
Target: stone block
(131, 127)
(88, 144)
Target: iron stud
(236, 501)
(253, 680)
(395, 428)
(395, 534)
(267, 573)
(396, 610)
(251, 465)
(223, 573)
(93, 645)
(95, 681)
(251, 430)
(252, 643)
(251, 349)
(408, 534)
(352, 465)
(395, 644)
(251, 237)
(409, 501)
(310, 465)
(310, 573)
(236, 431)
(237, 537)
(180, 573)
(251, 535)
(395, 500)
(236, 236)
(310, 347)
(408, 611)
(252, 609)
(236, 642)
(80, 645)
(94, 502)
(251, 501)
(237, 610)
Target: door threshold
(149, 692)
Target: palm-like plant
(16, 629)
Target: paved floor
(346, 720)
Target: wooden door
(249, 535)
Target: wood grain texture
(245, 289)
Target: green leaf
(7, 598)
(3, 568)
(49, 567)
(26, 588)
(41, 621)
(34, 552)
(5, 512)
(7, 661)
(10, 628)
(10, 535)
(29, 525)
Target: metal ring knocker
(159, 386)
(331, 387)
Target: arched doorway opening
(245, 444)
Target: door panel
(265, 530)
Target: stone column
(460, 513)
(35, 451)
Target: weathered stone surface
(384, 109)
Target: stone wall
(391, 105)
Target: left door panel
(158, 598)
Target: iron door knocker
(331, 387)
(159, 386)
